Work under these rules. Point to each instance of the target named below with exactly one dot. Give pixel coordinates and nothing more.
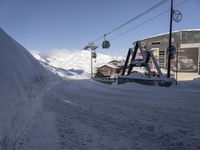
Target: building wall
(107, 71)
(190, 37)
(160, 43)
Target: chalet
(111, 69)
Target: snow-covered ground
(94, 116)
(39, 111)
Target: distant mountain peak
(72, 60)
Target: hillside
(71, 63)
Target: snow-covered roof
(109, 65)
(119, 61)
(188, 30)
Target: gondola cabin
(106, 44)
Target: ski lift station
(187, 58)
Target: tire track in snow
(85, 121)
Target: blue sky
(70, 24)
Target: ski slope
(74, 64)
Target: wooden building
(111, 69)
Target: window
(156, 43)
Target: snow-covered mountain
(21, 79)
(71, 63)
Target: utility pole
(91, 63)
(170, 40)
(175, 15)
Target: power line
(134, 18)
(152, 18)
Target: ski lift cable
(132, 19)
(138, 16)
(117, 36)
(152, 18)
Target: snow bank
(197, 78)
(195, 83)
(22, 77)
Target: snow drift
(22, 77)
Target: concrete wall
(187, 43)
(188, 38)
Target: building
(187, 43)
(110, 69)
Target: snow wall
(22, 79)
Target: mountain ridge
(74, 60)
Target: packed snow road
(93, 116)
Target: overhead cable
(148, 20)
(132, 19)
